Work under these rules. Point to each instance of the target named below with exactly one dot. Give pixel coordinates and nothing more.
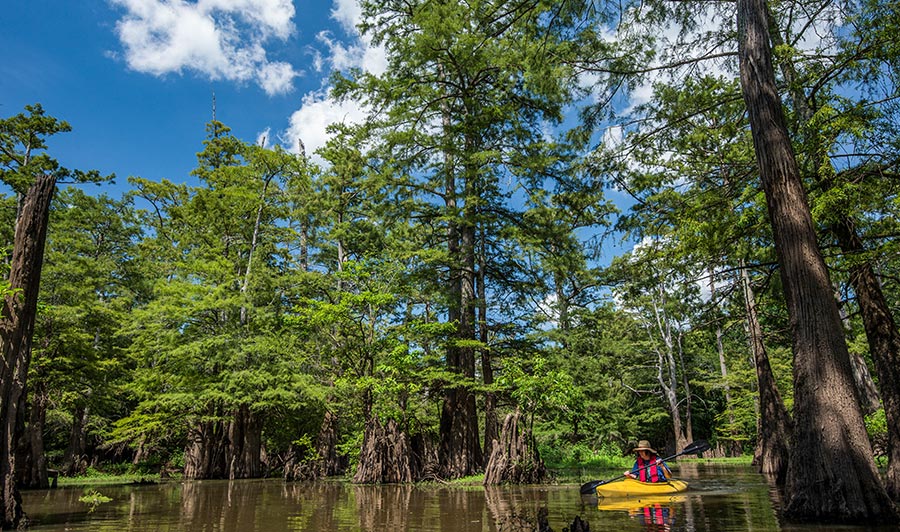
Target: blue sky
(135, 78)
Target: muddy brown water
(722, 498)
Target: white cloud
(221, 39)
(318, 111)
(347, 13)
(358, 54)
(613, 137)
(276, 78)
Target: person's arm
(665, 466)
(633, 472)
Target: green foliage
(23, 145)
(876, 427)
(93, 498)
(291, 290)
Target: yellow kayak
(629, 487)
(635, 504)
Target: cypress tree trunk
(386, 455)
(831, 474)
(326, 445)
(514, 458)
(459, 453)
(75, 450)
(33, 461)
(16, 330)
(881, 329)
(884, 341)
(204, 457)
(243, 451)
(773, 425)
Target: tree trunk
(884, 341)
(74, 455)
(33, 461)
(327, 462)
(773, 425)
(459, 453)
(881, 329)
(487, 369)
(667, 372)
(514, 458)
(734, 444)
(244, 450)
(386, 455)
(16, 331)
(204, 457)
(831, 474)
(326, 446)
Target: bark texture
(884, 342)
(514, 458)
(32, 462)
(326, 447)
(386, 455)
(244, 449)
(16, 331)
(831, 475)
(773, 425)
(881, 329)
(204, 457)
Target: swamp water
(722, 498)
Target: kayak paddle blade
(589, 487)
(696, 447)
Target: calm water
(721, 499)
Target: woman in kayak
(647, 466)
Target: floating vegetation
(93, 499)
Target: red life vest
(653, 473)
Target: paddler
(647, 466)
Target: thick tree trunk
(773, 425)
(514, 458)
(460, 454)
(204, 457)
(386, 455)
(244, 450)
(884, 341)
(33, 462)
(326, 445)
(831, 474)
(881, 329)
(16, 330)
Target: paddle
(696, 447)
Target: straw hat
(643, 445)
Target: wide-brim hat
(643, 445)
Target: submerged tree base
(514, 459)
(386, 455)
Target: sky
(136, 79)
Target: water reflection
(655, 514)
(721, 499)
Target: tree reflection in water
(721, 498)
